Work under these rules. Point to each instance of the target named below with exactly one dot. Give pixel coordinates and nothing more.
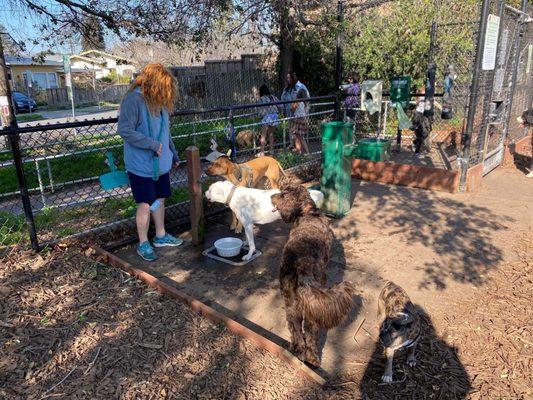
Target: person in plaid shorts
(299, 125)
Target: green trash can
(373, 149)
(336, 182)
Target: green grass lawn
(29, 117)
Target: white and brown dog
(250, 206)
(400, 328)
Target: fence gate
(503, 40)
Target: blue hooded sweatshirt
(139, 147)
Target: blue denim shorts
(146, 190)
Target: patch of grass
(29, 117)
(82, 317)
(288, 160)
(12, 228)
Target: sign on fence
(491, 43)
(4, 104)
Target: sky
(23, 29)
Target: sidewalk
(59, 116)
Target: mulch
(72, 327)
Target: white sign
(491, 43)
(4, 101)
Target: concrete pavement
(61, 116)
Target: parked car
(23, 102)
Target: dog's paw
(387, 378)
(238, 229)
(411, 361)
(247, 257)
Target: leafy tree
(394, 39)
(92, 34)
(11, 47)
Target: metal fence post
(474, 95)
(14, 140)
(338, 60)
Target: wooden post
(195, 195)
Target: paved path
(438, 246)
(60, 116)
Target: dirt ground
(72, 328)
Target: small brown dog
(309, 305)
(400, 328)
(249, 174)
(245, 139)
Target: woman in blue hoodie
(149, 153)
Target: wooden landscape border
(212, 315)
(406, 175)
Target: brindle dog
(401, 325)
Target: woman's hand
(294, 106)
(176, 164)
(160, 150)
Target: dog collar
(410, 343)
(238, 174)
(230, 195)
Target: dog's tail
(327, 308)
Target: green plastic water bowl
(373, 149)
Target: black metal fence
(61, 195)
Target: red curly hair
(158, 87)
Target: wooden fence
(59, 96)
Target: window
(39, 80)
(52, 80)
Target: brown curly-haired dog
(309, 305)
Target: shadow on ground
(438, 374)
(455, 237)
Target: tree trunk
(287, 32)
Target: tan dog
(249, 174)
(246, 139)
(400, 328)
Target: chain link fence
(62, 164)
(498, 76)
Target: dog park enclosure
(49, 173)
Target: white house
(101, 64)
